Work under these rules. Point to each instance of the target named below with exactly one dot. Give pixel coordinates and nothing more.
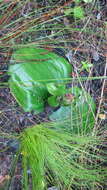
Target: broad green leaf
(78, 12)
(80, 114)
(56, 89)
(52, 101)
(33, 68)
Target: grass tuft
(60, 159)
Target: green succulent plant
(33, 69)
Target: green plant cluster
(38, 77)
(59, 152)
(33, 69)
(60, 159)
(63, 152)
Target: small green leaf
(51, 88)
(52, 101)
(78, 12)
(86, 66)
(56, 89)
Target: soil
(13, 119)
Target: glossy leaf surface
(56, 89)
(52, 101)
(33, 69)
